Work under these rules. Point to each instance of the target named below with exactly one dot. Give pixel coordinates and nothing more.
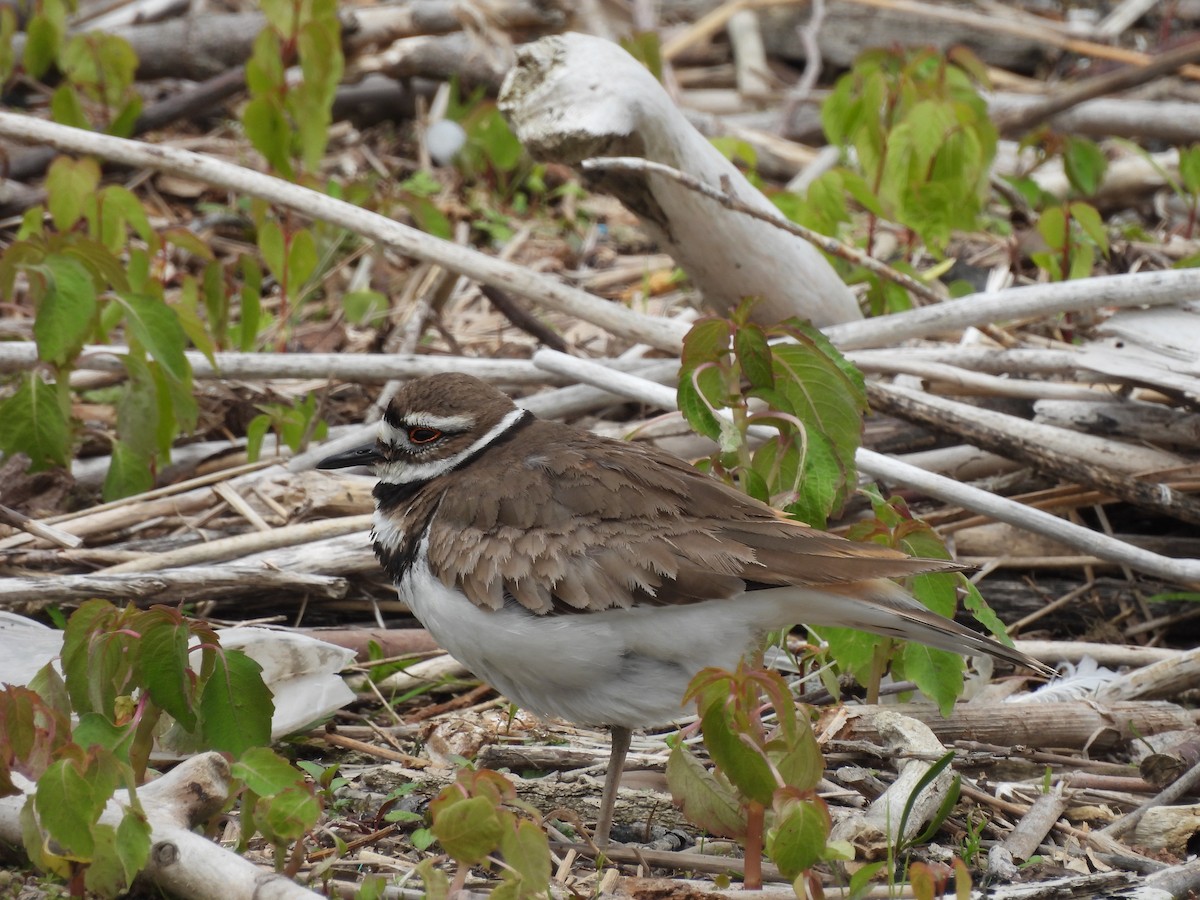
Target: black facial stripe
(390, 497)
(498, 441)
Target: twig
(39, 529)
(245, 544)
(808, 33)
(730, 202)
(1099, 86)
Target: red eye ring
(422, 434)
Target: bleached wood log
(19, 356)
(1168, 828)
(1139, 289)
(1150, 422)
(197, 583)
(1171, 121)
(1127, 458)
(1038, 725)
(573, 96)
(182, 863)
(1162, 680)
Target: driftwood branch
(572, 96)
(663, 333)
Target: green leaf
(301, 260)
(1189, 168)
(797, 840)
(797, 757)
(130, 472)
(428, 217)
(163, 659)
(133, 843)
(95, 730)
(1089, 220)
(251, 303)
(235, 705)
(137, 414)
(468, 829)
(974, 603)
(1052, 226)
(42, 39)
(696, 410)
(706, 342)
(292, 813)
(66, 108)
(1085, 164)
(266, 772)
(273, 247)
(938, 673)
(36, 424)
(70, 185)
(527, 851)
(754, 356)
(744, 766)
(157, 329)
(66, 311)
(268, 132)
(67, 806)
(364, 307)
(707, 801)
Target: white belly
(615, 667)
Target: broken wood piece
(1172, 762)
(1153, 423)
(1039, 725)
(749, 54)
(1162, 680)
(572, 96)
(989, 307)
(1169, 828)
(876, 831)
(1023, 841)
(1107, 465)
(39, 529)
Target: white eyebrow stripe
(402, 473)
(442, 423)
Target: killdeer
(590, 578)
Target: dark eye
(419, 434)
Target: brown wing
(573, 520)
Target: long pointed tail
(883, 607)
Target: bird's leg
(620, 738)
